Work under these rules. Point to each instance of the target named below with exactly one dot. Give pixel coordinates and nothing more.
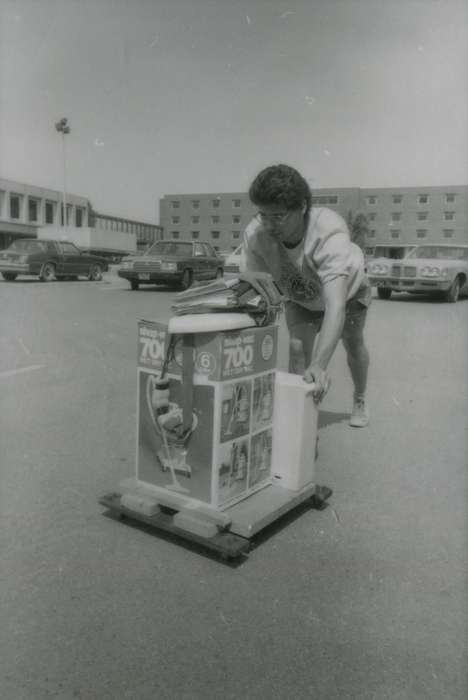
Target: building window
(215, 203)
(422, 215)
(215, 234)
(32, 209)
(49, 213)
(175, 219)
(395, 233)
(396, 216)
(175, 234)
(175, 204)
(14, 206)
(195, 219)
(236, 203)
(216, 247)
(421, 232)
(372, 199)
(449, 215)
(397, 198)
(195, 235)
(62, 215)
(195, 203)
(79, 217)
(235, 234)
(450, 198)
(215, 219)
(423, 199)
(371, 216)
(325, 199)
(236, 219)
(448, 232)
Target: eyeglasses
(277, 218)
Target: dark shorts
(298, 317)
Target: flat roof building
(23, 208)
(395, 215)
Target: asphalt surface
(364, 600)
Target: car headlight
(431, 271)
(168, 266)
(378, 269)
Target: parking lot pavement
(364, 600)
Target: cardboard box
(226, 453)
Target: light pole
(63, 127)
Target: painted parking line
(19, 370)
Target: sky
(196, 96)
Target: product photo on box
(223, 453)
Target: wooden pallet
(223, 538)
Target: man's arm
(334, 295)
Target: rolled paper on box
(209, 323)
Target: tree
(358, 225)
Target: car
(173, 262)
(394, 252)
(49, 260)
(234, 262)
(438, 268)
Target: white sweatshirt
(324, 253)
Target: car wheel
(187, 279)
(219, 273)
(47, 273)
(134, 284)
(95, 273)
(384, 293)
(9, 276)
(453, 293)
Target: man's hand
(319, 377)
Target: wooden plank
(226, 544)
(264, 507)
(177, 501)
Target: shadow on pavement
(329, 417)
(418, 299)
(177, 540)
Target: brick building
(395, 214)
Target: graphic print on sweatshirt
(295, 284)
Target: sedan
(438, 269)
(234, 262)
(49, 260)
(173, 262)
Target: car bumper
(19, 268)
(151, 277)
(410, 285)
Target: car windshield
(440, 252)
(392, 252)
(171, 248)
(28, 247)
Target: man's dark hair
(280, 184)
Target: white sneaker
(360, 415)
